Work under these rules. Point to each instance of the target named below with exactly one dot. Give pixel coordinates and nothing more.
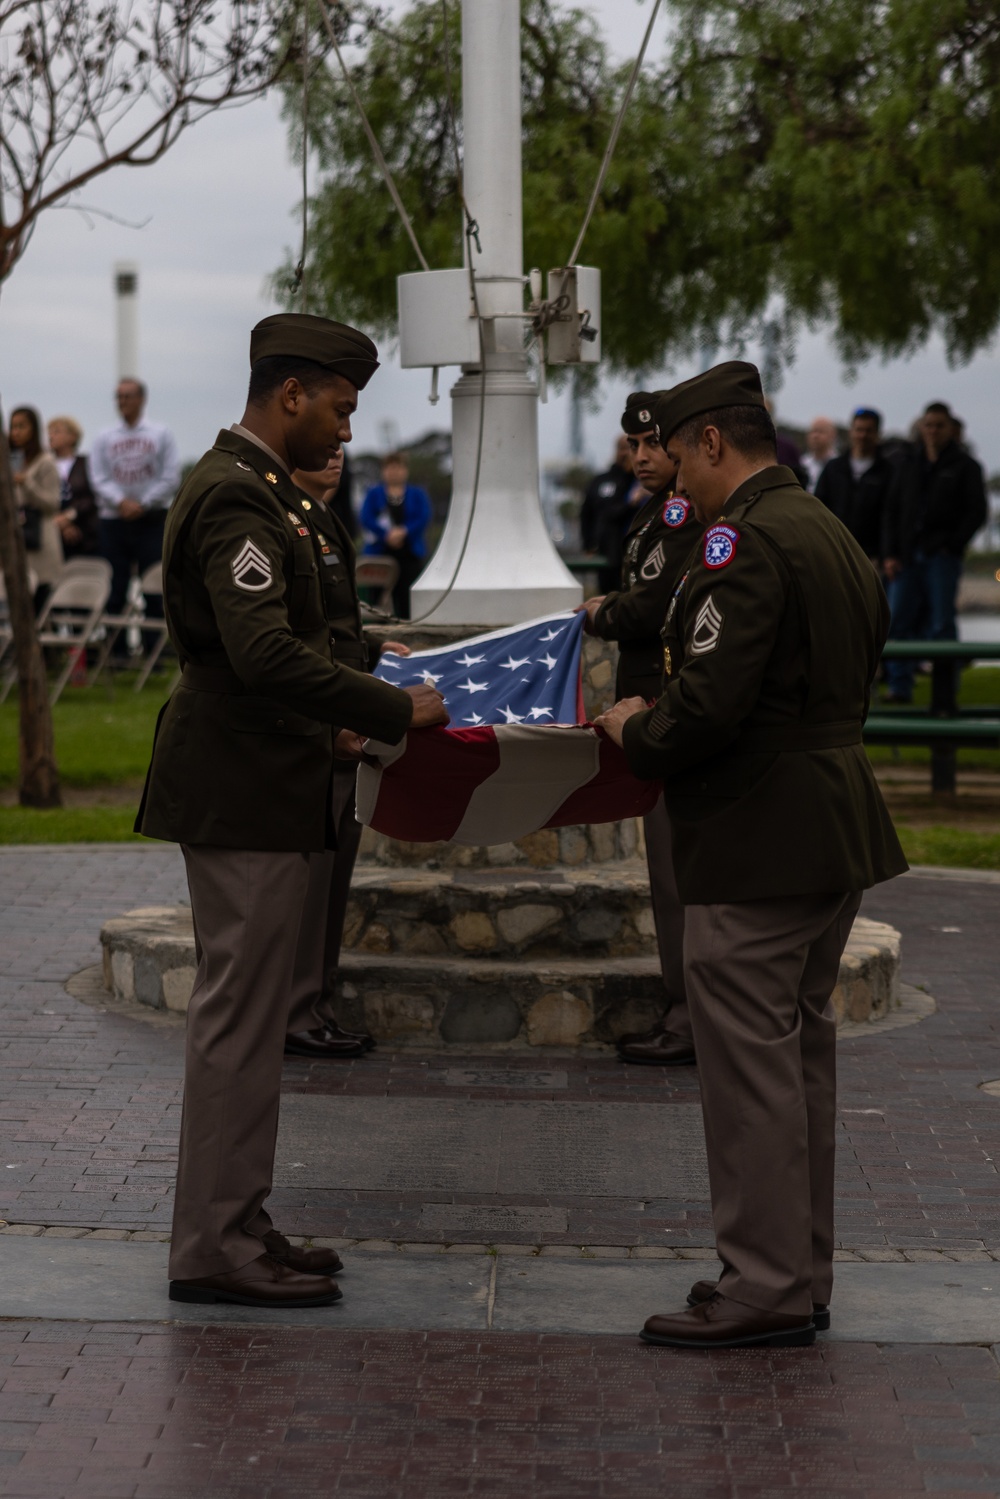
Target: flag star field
(526, 674)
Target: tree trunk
(39, 775)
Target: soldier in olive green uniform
(313, 1028)
(240, 777)
(772, 640)
(659, 542)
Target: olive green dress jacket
(771, 643)
(658, 544)
(243, 754)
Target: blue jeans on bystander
(922, 606)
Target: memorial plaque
(491, 1223)
(510, 1149)
(503, 1077)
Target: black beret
(638, 414)
(735, 383)
(299, 335)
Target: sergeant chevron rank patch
(707, 628)
(251, 568)
(653, 565)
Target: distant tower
(127, 319)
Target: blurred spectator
(342, 501)
(77, 518)
(786, 450)
(821, 445)
(394, 515)
(604, 515)
(855, 484)
(135, 474)
(36, 481)
(935, 505)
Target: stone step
(443, 1000)
(498, 913)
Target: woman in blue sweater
(395, 516)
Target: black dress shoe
(721, 1323)
(264, 1282)
(641, 1038)
(324, 1044)
(664, 1050)
(703, 1290)
(365, 1037)
(305, 1261)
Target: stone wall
(447, 963)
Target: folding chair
(78, 567)
(378, 573)
(112, 625)
(151, 582)
(68, 622)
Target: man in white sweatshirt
(135, 473)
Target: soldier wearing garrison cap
(658, 543)
(241, 777)
(771, 641)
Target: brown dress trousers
(760, 974)
(668, 916)
(247, 906)
(313, 995)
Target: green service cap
(638, 414)
(300, 335)
(734, 383)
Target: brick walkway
(155, 1413)
(89, 1104)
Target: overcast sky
(218, 213)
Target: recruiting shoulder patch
(676, 511)
(251, 568)
(720, 545)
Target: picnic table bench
(944, 726)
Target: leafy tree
(789, 164)
(85, 87)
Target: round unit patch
(676, 511)
(720, 545)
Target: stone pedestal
(489, 958)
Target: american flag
(524, 674)
(504, 767)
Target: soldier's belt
(784, 738)
(211, 679)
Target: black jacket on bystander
(858, 502)
(933, 507)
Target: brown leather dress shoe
(703, 1289)
(665, 1050)
(721, 1323)
(325, 1044)
(306, 1261)
(264, 1282)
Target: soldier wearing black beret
(241, 777)
(658, 543)
(771, 644)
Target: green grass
(952, 848)
(103, 734)
(68, 825)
